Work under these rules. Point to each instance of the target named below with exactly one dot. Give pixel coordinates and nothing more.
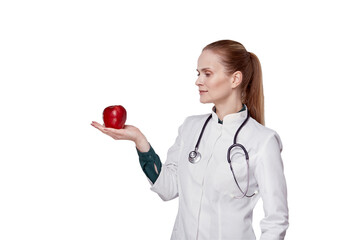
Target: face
(215, 86)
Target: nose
(198, 82)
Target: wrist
(142, 144)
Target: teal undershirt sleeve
(149, 158)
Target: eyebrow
(203, 69)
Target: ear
(236, 79)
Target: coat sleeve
(166, 185)
(269, 174)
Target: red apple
(114, 116)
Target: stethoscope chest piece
(194, 156)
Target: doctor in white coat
(217, 196)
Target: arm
(166, 185)
(269, 174)
(150, 163)
(132, 133)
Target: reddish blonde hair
(235, 57)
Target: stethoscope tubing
(195, 156)
(247, 169)
(202, 132)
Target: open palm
(128, 132)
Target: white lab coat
(206, 190)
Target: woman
(218, 191)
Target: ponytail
(254, 93)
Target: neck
(224, 109)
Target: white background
(63, 62)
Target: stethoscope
(195, 156)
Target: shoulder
(193, 122)
(264, 135)
(194, 119)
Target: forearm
(142, 143)
(150, 163)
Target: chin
(204, 101)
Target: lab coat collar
(232, 118)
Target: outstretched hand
(128, 132)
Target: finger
(114, 132)
(99, 126)
(95, 123)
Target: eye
(207, 74)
